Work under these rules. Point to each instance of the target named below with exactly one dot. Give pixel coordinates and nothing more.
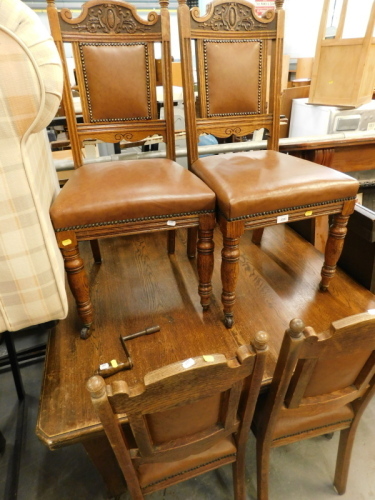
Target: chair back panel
(122, 73)
(333, 367)
(183, 410)
(336, 373)
(222, 63)
(187, 419)
(114, 56)
(237, 56)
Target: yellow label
(66, 242)
(114, 363)
(208, 358)
(309, 212)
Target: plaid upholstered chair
(32, 286)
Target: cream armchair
(32, 286)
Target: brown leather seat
(156, 473)
(322, 383)
(130, 191)
(110, 42)
(237, 91)
(293, 424)
(186, 418)
(254, 183)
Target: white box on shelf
(310, 119)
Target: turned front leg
(205, 258)
(230, 255)
(230, 258)
(77, 279)
(335, 243)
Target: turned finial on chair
(279, 4)
(96, 386)
(260, 341)
(296, 327)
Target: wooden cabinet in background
(344, 68)
(358, 256)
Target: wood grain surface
(138, 285)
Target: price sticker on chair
(282, 218)
(171, 223)
(188, 363)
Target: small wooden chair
(238, 92)
(186, 418)
(114, 53)
(322, 383)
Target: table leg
(102, 456)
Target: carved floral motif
(232, 17)
(110, 18)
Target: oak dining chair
(322, 383)
(185, 419)
(114, 52)
(236, 56)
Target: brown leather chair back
(239, 61)
(332, 366)
(114, 56)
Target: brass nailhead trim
(282, 210)
(140, 219)
(99, 44)
(205, 42)
(313, 429)
(188, 470)
(366, 184)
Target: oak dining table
(138, 286)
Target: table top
(138, 285)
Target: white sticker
(171, 223)
(104, 366)
(188, 363)
(282, 218)
(371, 126)
(371, 311)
